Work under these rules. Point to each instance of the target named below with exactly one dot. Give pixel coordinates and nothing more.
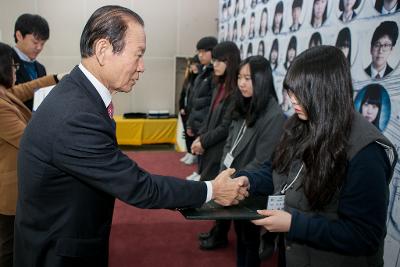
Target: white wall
(172, 27)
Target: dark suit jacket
(23, 76)
(70, 171)
(387, 71)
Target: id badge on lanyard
(228, 160)
(229, 156)
(277, 202)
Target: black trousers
(6, 240)
(248, 243)
(188, 139)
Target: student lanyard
(239, 136)
(286, 187)
(277, 202)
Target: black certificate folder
(245, 210)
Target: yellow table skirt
(145, 131)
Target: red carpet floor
(148, 238)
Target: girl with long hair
(331, 170)
(211, 141)
(257, 123)
(191, 71)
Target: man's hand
(276, 221)
(228, 191)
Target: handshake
(228, 191)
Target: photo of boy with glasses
(382, 43)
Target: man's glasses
(15, 66)
(384, 47)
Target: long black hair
(321, 81)
(263, 91)
(229, 53)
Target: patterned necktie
(110, 110)
(378, 76)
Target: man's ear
(19, 36)
(102, 49)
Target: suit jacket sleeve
(87, 150)
(24, 91)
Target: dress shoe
(213, 242)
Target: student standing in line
(211, 141)
(257, 124)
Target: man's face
(380, 51)
(204, 56)
(29, 45)
(121, 70)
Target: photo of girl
(261, 48)
(278, 18)
(249, 50)
(291, 52)
(315, 40)
(347, 8)
(274, 55)
(252, 30)
(262, 31)
(319, 13)
(373, 103)
(343, 42)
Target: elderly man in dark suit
(70, 168)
